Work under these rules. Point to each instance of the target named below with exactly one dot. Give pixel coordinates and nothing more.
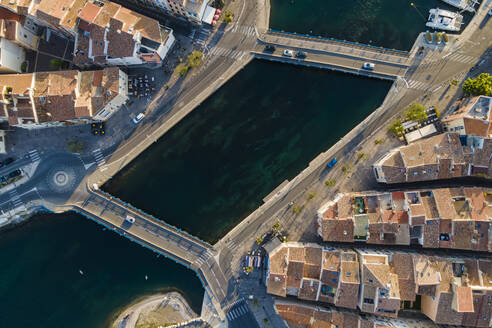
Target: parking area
(142, 85)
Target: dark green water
(207, 173)
(386, 23)
(263, 127)
(40, 283)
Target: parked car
(138, 118)
(288, 53)
(270, 48)
(368, 65)
(301, 54)
(490, 12)
(8, 161)
(130, 219)
(332, 163)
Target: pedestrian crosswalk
(34, 155)
(234, 54)
(237, 311)
(417, 85)
(203, 257)
(458, 57)
(98, 156)
(14, 197)
(203, 35)
(246, 30)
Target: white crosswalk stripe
(14, 197)
(234, 54)
(247, 30)
(462, 58)
(203, 35)
(418, 85)
(34, 155)
(98, 156)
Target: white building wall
(11, 57)
(165, 48)
(26, 38)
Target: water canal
(206, 174)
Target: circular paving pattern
(61, 179)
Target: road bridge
(328, 53)
(160, 237)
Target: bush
(297, 209)
(75, 146)
(311, 195)
(330, 183)
(259, 240)
(228, 16)
(416, 112)
(479, 86)
(182, 69)
(378, 141)
(23, 67)
(396, 128)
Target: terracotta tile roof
(402, 264)
(295, 271)
(296, 254)
(309, 289)
(278, 262)
(338, 230)
(313, 255)
(277, 285)
(464, 299)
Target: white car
(368, 65)
(130, 219)
(490, 12)
(138, 118)
(288, 53)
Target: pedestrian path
(15, 198)
(234, 54)
(98, 156)
(246, 30)
(203, 257)
(34, 155)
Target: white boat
(468, 5)
(440, 19)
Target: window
(370, 280)
(478, 226)
(333, 280)
(368, 301)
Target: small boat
(440, 19)
(146, 278)
(467, 5)
(81, 272)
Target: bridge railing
(110, 197)
(326, 66)
(362, 45)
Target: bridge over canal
(159, 237)
(328, 53)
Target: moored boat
(441, 19)
(468, 5)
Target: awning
(208, 15)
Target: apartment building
(455, 218)
(191, 10)
(296, 314)
(11, 57)
(449, 290)
(314, 273)
(45, 98)
(445, 156)
(471, 118)
(109, 34)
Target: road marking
(34, 155)
(15, 198)
(98, 156)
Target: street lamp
(402, 78)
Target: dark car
(301, 54)
(14, 174)
(270, 48)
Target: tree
(259, 240)
(182, 69)
(416, 112)
(228, 16)
(276, 227)
(75, 146)
(396, 128)
(479, 86)
(195, 59)
(249, 269)
(55, 62)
